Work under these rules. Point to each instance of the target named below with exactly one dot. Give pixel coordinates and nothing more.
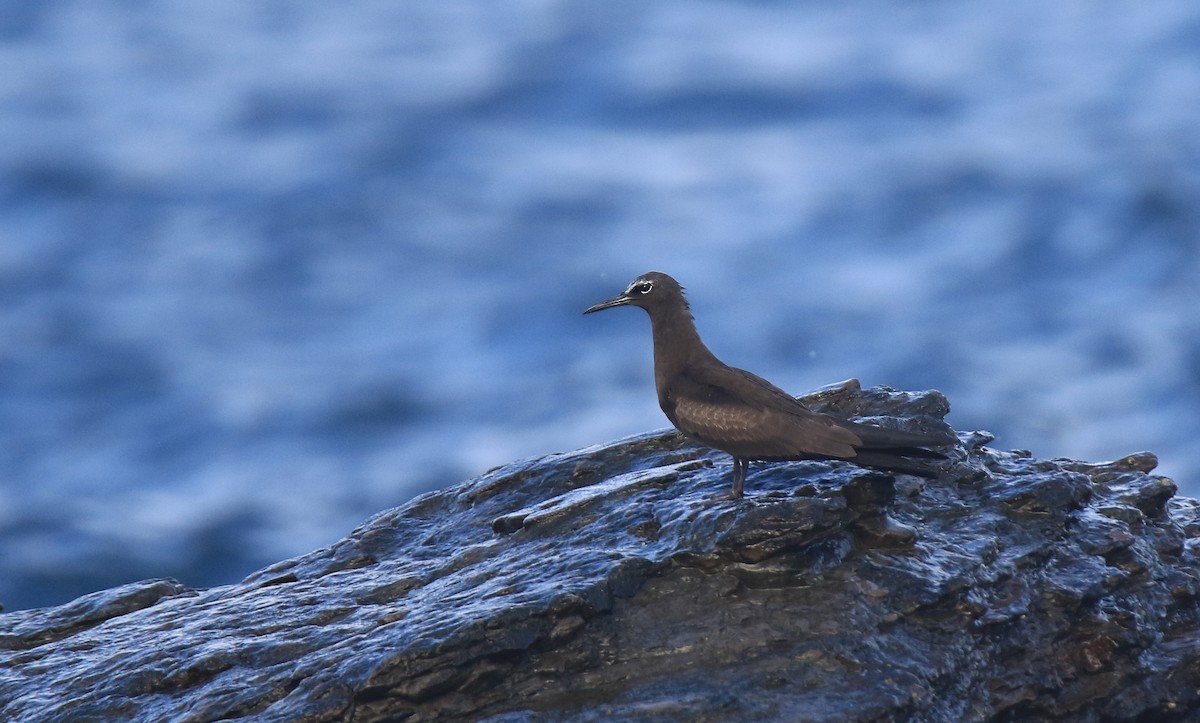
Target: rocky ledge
(619, 583)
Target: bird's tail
(890, 449)
(898, 441)
(890, 462)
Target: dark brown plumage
(737, 412)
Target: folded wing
(749, 417)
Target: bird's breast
(668, 405)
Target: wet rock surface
(618, 582)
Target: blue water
(268, 268)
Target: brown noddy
(737, 412)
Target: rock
(617, 582)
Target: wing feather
(749, 417)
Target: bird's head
(652, 290)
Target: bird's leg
(739, 476)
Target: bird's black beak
(621, 300)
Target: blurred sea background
(268, 268)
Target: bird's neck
(676, 342)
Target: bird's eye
(643, 287)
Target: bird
(746, 416)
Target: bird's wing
(735, 411)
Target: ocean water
(268, 268)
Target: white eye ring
(643, 287)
